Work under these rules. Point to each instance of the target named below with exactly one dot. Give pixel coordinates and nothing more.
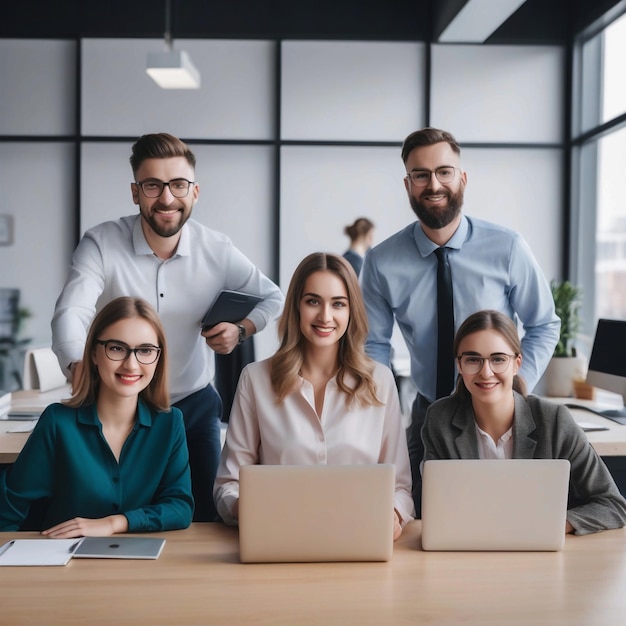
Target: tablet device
(315, 513)
(119, 548)
(230, 306)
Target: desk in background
(607, 443)
(11, 443)
(611, 442)
(198, 580)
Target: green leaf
(567, 303)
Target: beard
(436, 218)
(160, 229)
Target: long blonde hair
(156, 394)
(352, 360)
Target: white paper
(38, 551)
(25, 427)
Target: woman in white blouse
(319, 399)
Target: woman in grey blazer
(489, 416)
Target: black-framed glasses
(153, 187)
(445, 175)
(473, 363)
(119, 351)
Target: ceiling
(535, 22)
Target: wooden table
(198, 580)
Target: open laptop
(515, 504)
(314, 513)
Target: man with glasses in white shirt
(491, 267)
(180, 267)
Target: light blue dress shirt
(492, 268)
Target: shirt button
(116, 479)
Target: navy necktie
(445, 325)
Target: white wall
(361, 91)
(506, 94)
(36, 181)
(235, 100)
(37, 97)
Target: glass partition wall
(295, 139)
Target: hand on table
(84, 527)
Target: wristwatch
(242, 333)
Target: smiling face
(164, 216)
(128, 377)
(436, 205)
(324, 309)
(486, 387)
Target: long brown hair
(156, 394)
(504, 326)
(352, 360)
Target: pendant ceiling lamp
(172, 69)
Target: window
(614, 92)
(599, 161)
(610, 262)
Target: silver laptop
(515, 504)
(119, 548)
(314, 513)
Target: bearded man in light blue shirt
(492, 267)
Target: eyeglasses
(445, 174)
(118, 351)
(153, 187)
(472, 363)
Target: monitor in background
(607, 365)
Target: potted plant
(566, 366)
(567, 305)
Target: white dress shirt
(261, 431)
(490, 449)
(114, 259)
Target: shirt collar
(425, 246)
(141, 245)
(89, 416)
(505, 437)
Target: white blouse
(260, 431)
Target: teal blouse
(68, 461)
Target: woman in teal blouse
(113, 458)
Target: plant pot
(561, 373)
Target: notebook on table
(316, 513)
(515, 504)
(119, 548)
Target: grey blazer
(541, 430)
